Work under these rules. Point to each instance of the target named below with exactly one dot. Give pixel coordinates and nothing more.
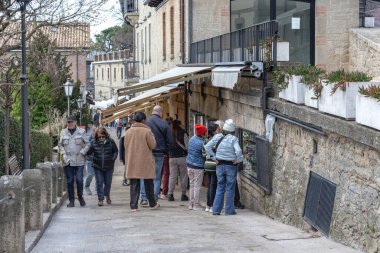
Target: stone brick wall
(78, 67)
(333, 21)
(365, 51)
(210, 18)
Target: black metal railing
(131, 69)
(248, 44)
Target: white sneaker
(207, 209)
(210, 210)
(198, 208)
(190, 206)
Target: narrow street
(172, 228)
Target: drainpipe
(183, 32)
(189, 31)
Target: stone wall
(333, 21)
(365, 51)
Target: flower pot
(368, 111)
(295, 92)
(310, 99)
(369, 22)
(341, 103)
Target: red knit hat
(200, 129)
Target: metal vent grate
(319, 203)
(262, 158)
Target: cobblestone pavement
(172, 228)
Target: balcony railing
(131, 70)
(248, 44)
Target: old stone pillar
(32, 181)
(60, 179)
(46, 185)
(54, 183)
(12, 227)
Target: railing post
(12, 226)
(257, 43)
(32, 180)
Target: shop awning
(174, 75)
(141, 102)
(226, 77)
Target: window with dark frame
(102, 74)
(122, 73)
(145, 46)
(150, 43)
(114, 74)
(97, 74)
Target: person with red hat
(195, 162)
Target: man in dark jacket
(164, 139)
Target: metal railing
(247, 44)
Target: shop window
(248, 146)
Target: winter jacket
(179, 150)
(162, 133)
(73, 147)
(228, 149)
(195, 159)
(104, 154)
(139, 142)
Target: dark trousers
(165, 175)
(135, 192)
(103, 182)
(211, 189)
(237, 194)
(74, 172)
(118, 132)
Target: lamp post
(68, 91)
(24, 89)
(80, 106)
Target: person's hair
(139, 117)
(101, 130)
(175, 127)
(212, 128)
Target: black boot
(170, 197)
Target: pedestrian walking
(96, 118)
(195, 170)
(104, 151)
(73, 146)
(177, 161)
(119, 128)
(164, 140)
(139, 160)
(122, 156)
(227, 155)
(210, 169)
(89, 167)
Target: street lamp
(69, 91)
(80, 106)
(24, 89)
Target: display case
(248, 146)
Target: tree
(42, 13)
(115, 38)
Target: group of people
(152, 150)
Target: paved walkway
(172, 228)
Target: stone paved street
(172, 228)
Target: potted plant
(368, 106)
(338, 96)
(288, 82)
(312, 80)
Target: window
(102, 74)
(248, 13)
(122, 73)
(137, 48)
(150, 42)
(164, 36)
(248, 146)
(108, 74)
(97, 74)
(114, 74)
(142, 46)
(145, 48)
(171, 32)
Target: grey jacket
(73, 147)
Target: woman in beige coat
(139, 161)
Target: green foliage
(15, 143)
(115, 38)
(340, 78)
(312, 79)
(372, 91)
(41, 148)
(40, 143)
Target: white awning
(143, 101)
(174, 75)
(226, 77)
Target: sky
(110, 17)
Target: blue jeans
(90, 173)
(74, 172)
(103, 182)
(226, 175)
(118, 132)
(159, 160)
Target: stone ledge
(32, 237)
(349, 129)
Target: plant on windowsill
(368, 106)
(338, 96)
(312, 80)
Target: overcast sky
(110, 17)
